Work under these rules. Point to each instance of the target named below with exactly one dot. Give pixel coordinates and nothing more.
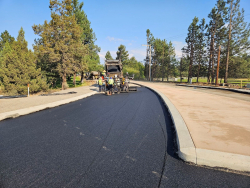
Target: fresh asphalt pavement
(124, 140)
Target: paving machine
(121, 83)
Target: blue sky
(117, 22)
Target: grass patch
(230, 81)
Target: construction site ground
(216, 119)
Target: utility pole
(149, 67)
(218, 67)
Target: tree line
(130, 65)
(65, 47)
(163, 60)
(226, 29)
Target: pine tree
(122, 54)
(191, 41)
(60, 40)
(19, 68)
(108, 56)
(5, 37)
(200, 46)
(92, 61)
(238, 34)
(163, 53)
(216, 32)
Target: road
(124, 140)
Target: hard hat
(115, 75)
(104, 71)
(110, 77)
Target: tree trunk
(212, 69)
(209, 66)
(190, 64)
(199, 65)
(163, 65)
(64, 81)
(74, 80)
(168, 69)
(82, 77)
(228, 44)
(180, 70)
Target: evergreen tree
(191, 41)
(150, 41)
(163, 55)
(5, 37)
(216, 30)
(92, 61)
(60, 40)
(200, 47)
(19, 68)
(122, 54)
(183, 67)
(108, 56)
(238, 34)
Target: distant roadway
(124, 140)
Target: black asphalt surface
(121, 140)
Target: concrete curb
(211, 87)
(222, 159)
(189, 153)
(25, 111)
(186, 148)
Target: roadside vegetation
(64, 48)
(226, 28)
(130, 65)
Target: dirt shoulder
(217, 120)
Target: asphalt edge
(25, 111)
(186, 147)
(189, 153)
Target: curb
(211, 87)
(189, 153)
(25, 111)
(186, 148)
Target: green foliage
(5, 37)
(239, 66)
(18, 68)
(163, 58)
(134, 67)
(60, 41)
(108, 56)
(92, 61)
(122, 54)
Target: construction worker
(100, 84)
(103, 73)
(111, 82)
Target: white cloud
(139, 54)
(113, 39)
(178, 46)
